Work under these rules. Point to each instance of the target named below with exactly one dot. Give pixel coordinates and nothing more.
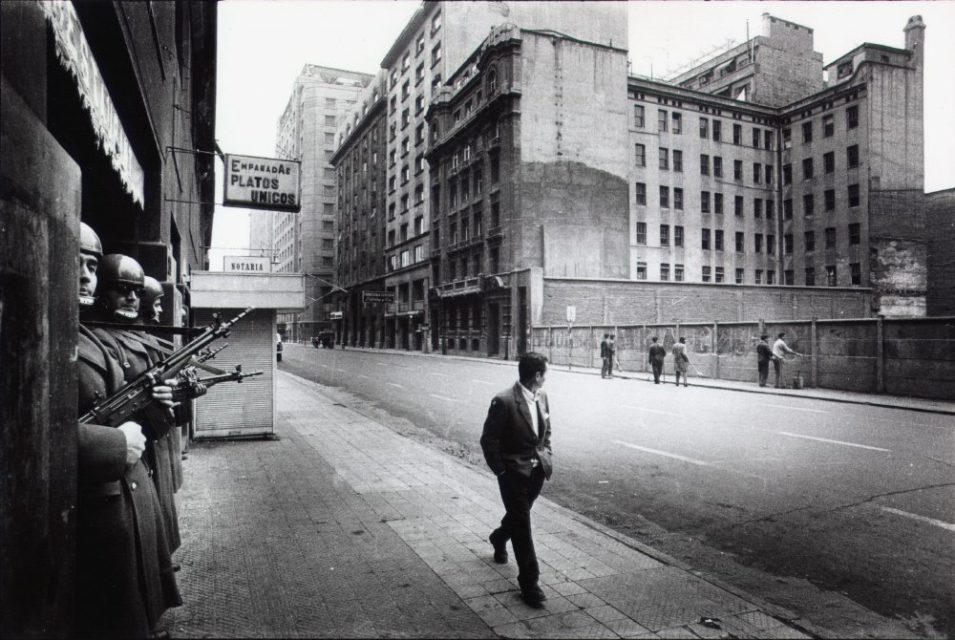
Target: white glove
(135, 441)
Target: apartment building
(305, 242)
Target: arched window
(491, 81)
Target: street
(814, 505)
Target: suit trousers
(763, 368)
(606, 368)
(657, 370)
(518, 494)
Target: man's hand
(163, 394)
(135, 441)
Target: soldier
(121, 287)
(124, 577)
(150, 312)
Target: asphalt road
(816, 506)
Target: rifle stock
(136, 395)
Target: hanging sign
(247, 264)
(74, 54)
(252, 182)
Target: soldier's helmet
(152, 290)
(115, 268)
(89, 241)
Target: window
(435, 54)
(829, 161)
(830, 237)
(641, 233)
(405, 89)
(758, 243)
(788, 209)
(769, 174)
(717, 167)
(704, 164)
(661, 120)
(740, 242)
(717, 126)
(706, 273)
(678, 272)
(678, 198)
(641, 271)
(664, 235)
(770, 244)
(705, 201)
(852, 156)
(641, 191)
(664, 271)
(787, 174)
(739, 276)
(788, 243)
(828, 126)
(807, 132)
(718, 203)
(810, 277)
(758, 278)
(330, 138)
(419, 104)
(704, 128)
(664, 158)
(755, 138)
(852, 117)
(705, 239)
(768, 139)
(329, 121)
(853, 195)
(718, 239)
(830, 196)
(328, 243)
(830, 275)
(770, 276)
(757, 172)
(809, 240)
(640, 154)
(405, 118)
(435, 23)
(737, 169)
(855, 269)
(677, 236)
(737, 134)
(855, 233)
(677, 123)
(806, 168)
(808, 205)
(638, 120)
(664, 197)
(328, 225)
(719, 275)
(677, 160)
(787, 138)
(757, 207)
(788, 277)
(844, 70)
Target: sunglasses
(126, 289)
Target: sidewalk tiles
(343, 528)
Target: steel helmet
(116, 268)
(89, 241)
(151, 290)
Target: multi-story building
(360, 162)
(304, 242)
(940, 218)
(431, 47)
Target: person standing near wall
(764, 354)
(680, 361)
(611, 355)
(780, 349)
(605, 362)
(656, 354)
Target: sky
(263, 45)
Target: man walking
(657, 355)
(516, 445)
(780, 349)
(764, 354)
(606, 364)
(611, 355)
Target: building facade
(305, 242)
(107, 117)
(940, 218)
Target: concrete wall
(573, 175)
(940, 213)
(909, 357)
(626, 302)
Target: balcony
(466, 286)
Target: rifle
(136, 396)
(210, 353)
(189, 386)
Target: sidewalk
(831, 395)
(340, 527)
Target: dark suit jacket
(657, 353)
(509, 442)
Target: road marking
(666, 413)
(395, 384)
(481, 381)
(440, 375)
(440, 397)
(664, 453)
(846, 444)
(362, 375)
(786, 406)
(913, 516)
(383, 364)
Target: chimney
(915, 39)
